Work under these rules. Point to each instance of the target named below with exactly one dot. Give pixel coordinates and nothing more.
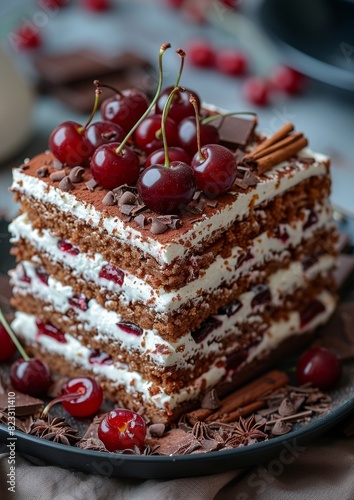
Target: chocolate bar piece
(234, 131)
(70, 75)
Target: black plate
(316, 37)
(158, 467)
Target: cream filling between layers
(273, 183)
(150, 343)
(133, 289)
(119, 375)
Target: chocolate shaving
(157, 430)
(91, 444)
(57, 165)
(76, 174)
(286, 408)
(127, 198)
(249, 178)
(158, 227)
(65, 184)
(281, 428)
(57, 176)
(212, 203)
(240, 184)
(109, 199)
(42, 171)
(91, 184)
(126, 209)
(140, 220)
(138, 209)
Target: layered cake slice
(160, 308)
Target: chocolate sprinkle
(91, 184)
(140, 220)
(158, 227)
(42, 172)
(76, 174)
(65, 184)
(109, 199)
(57, 176)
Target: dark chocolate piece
(24, 405)
(91, 184)
(109, 199)
(76, 174)
(65, 184)
(234, 130)
(58, 175)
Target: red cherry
(201, 53)
(8, 348)
(231, 62)
(26, 37)
(175, 154)
(103, 132)
(30, 376)
(68, 143)
(187, 135)
(175, 4)
(148, 134)
(125, 108)
(111, 169)
(256, 91)
(96, 5)
(112, 273)
(166, 190)
(180, 106)
(319, 366)
(215, 169)
(122, 429)
(288, 80)
(90, 398)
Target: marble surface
(323, 113)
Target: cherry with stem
(28, 375)
(115, 164)
(68, 141)
(167, 188)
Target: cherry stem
(194, 103)
(163, 48)
(59, 399)
(182, 55)
(106, 86)
(163, 122)
(13, 337)
(209, 119)
(94, 109)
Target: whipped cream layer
(119, 374)
(150, 344)
(262, 249)
(273, 183)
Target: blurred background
(288, 61)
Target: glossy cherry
(214, 166)
(125, 108)
(148, 135)
(175, 154)
(187, 135)
(256, 91)
(111, 167)
(288, 80)
(81, 397)
(167, 190)
(231, 62)
(122, 429)
(8, 348)
(103, 132)
(319, 366)
(68, 141)
(30, 376)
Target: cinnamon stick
(241, 412)
(271, 160)
(242, 397)
(275, 147)
(276, 137)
